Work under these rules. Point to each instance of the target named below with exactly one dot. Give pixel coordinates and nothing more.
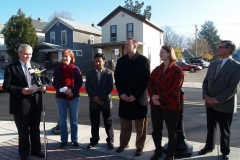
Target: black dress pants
(158, 115)
(28, 125)
(224, 120)
(95, 123)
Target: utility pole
(196, 38)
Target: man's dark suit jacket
(14, 81)
(224, 87)
(102, 89)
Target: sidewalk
(9, 148)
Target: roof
(38, 25)
(118, 43)
(134, 15)
(74, 26)
(54, 46)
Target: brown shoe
(121, 149)
(139, 152)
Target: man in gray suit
(219, 91)
(99, 85)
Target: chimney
(40, 19)
(93, 25)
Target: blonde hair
(170, 50)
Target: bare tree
(173, 39)
(62, 14)
(203, 48)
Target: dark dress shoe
(204, 151)
(110, 146)
(39, 155)
(92, 145)
(121, 149)
(226, 157)
(63, 144)
(156, 155)
(139, 152)
(169, 158)
(75, 144)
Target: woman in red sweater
(164, 89)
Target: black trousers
(158, 115)
(224, 120)
(28, 125)
(95, 123)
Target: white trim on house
(79, 53)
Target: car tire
(192, 70)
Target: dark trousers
(158, 115)
(28, 125)
(95, 123)
(224, 120)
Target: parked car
(1, 78)
(189, 67)
(199, 62)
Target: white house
(121, 24)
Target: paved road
(194, 115)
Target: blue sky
(181, 15)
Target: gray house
(61, 34)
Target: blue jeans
(72, 107)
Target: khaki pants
(126, 131)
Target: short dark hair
(229, 45)
(99, 55)
(134, 40)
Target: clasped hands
(155, 99)
(126, 98)
(210, 100)
(68, 92)
(97, 100)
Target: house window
(64, 37)
(54, 57)
(57, 23)
(113, 33)
(52, 37)
(129, 30)
(91, 39)
(79, 53)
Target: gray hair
(23, 46)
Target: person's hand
(213, 101)
(27, 91)
(68, 92)
(96, 99)
(130, 98)
(124, 97)
(155, 97)
(42, 89)
(156, 102)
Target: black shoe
(39, 155)
(204, 151)
(110, 145)
(92, 145)
(139, 152)
(226, 157)
(121, 149)
(156, 155)
(169, 158)
(75, 144)
(63, 144)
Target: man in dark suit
(220, 88)
(25, 105)
(131, 79)
(99, 85)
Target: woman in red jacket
(164, 89)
